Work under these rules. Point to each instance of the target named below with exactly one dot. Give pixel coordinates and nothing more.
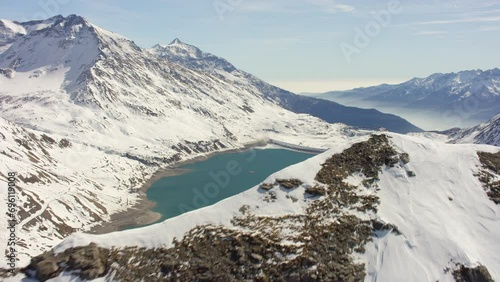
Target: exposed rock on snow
(289, 183)
(489, 175)
(477, 274)
(315, 245)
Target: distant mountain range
(485, 133)
(439, 101)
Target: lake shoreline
(141, 213)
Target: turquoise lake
(217, 178)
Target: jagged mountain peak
(179, 48)
(69, 42)
(25, 28)
(176, 41)
(455, 78)
(191, 56)
(48, 20)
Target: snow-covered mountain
(87, 117)
(193, 58)
(439, 101)
(373, 208)
(122, 112)
(12, 30)
(485, 133)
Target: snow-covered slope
(429, 211)
(486, 133)
(86, 117)
(125, 113)
(62, 186)
(193, 58)
(9, 32)
(439, 101)
(12, 30)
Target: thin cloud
(486, 12)
(329, 6)
(431, 32)
(266, 6)
(342, 8)
(466, 20)
(332, 6)
(489, 28)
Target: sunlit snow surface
(436, 232)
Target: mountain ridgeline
(446, 100)
(88, 48)
(193, 58)
(485, 133)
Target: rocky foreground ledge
(320, 245)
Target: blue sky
(304, 45)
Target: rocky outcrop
(289, 183)
(91, 262)
(266, 186)
(316, 191)
(476, 274)
(489, 174)
(8, 73)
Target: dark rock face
(490, 161)
(8, 73)
(381, 226)
(365, 157)
(476, 274)
(90, 260)
(47, 269)
(266, 186)
(199, 147)
(491, 167)
(257, 247)
(289, 183)
(64, 143)
(316, 191)
(405, 158)
(285, 183)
